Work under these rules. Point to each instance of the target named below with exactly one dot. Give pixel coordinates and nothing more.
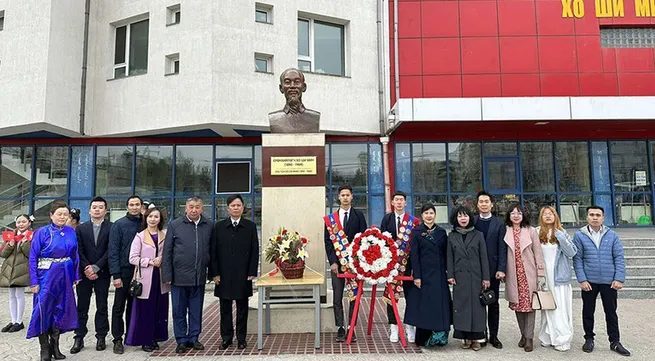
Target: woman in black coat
(429, 309)
(468, 272)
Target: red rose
(284, 231)
(303, 240)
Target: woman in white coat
(558, 249)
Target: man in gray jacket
(184, 267)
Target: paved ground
(636, 317)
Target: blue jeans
(187, 300)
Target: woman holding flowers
(429, 311)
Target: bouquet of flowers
(374, 257)
(286, 246)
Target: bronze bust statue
(294, 118)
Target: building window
(173, 64)
(2, 20)
(114, 170)
(321, 47)
(173, 14)
(263, 13)
(131, 50)
(627, 37)
(263, 63)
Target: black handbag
(487, 297)
(135, 286)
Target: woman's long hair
(543, 227)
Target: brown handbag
(543, 300)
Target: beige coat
(532, 258)
(142, 251)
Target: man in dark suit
(493, 230)
(400, 224)
(92, 244)
(234, 260)
(351, 221)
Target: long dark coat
(430, 307)
(469, 266)
(234, 257)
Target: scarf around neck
(464, 231)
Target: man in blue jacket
(600, 268)
(121, 236)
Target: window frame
(128, 37)
(264, 8)
(311, 58)
(2, 20)
(269, 62)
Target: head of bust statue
(292, 85)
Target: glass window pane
(465, 165)
(502, 175)
(139, 48)
(193, 170)
(500, 149)
(305, 65)
(119, 50)
(573, 166)
(328, 48)
(360, 202)
(114, 170)
(534, 203)
(10, 209)
(15, 172)
(261, 16)
(440, 203)
(233, 177)
(258, 169)
(261, 65)
(537, 167)
(154, 170)
(41, 212)
(630, 166)
(51, 171)
(573, 209)
(233, 152)
(350, 166)
(303, 37)
(633, 209)
(429, 167)
(117, 209)
(119, 72)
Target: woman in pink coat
(149, 318)
(526, 272)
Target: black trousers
(227, 329)
(85, 288)
(608, 297)
(338, 285)
(493, 310)
(122, 304)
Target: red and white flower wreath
(374, 257)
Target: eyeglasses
(516, 213)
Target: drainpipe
(387, 172)
(85, 53)
(381, 67)
(396, 50)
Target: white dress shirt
(595, 236)
(342, 213)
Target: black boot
(45, 347)
(54, 344)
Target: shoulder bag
(135, 286)
(543, 300)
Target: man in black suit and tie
(92, 244)
(349, 222)
(401, 225)
(493, 230)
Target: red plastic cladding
(491, 48)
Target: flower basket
(292, 270)
(287, 249)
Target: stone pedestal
(295, 197)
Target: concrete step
(639, 251)
(640, 260)
(640, 271)
(638, 242)
(640, 281)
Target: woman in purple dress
(149, 320)
(54, 270)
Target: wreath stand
(358, 301)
